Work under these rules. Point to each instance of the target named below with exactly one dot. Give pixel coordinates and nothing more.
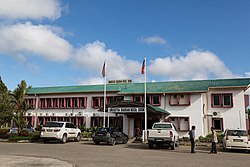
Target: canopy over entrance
(133, 108)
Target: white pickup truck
(163, 133)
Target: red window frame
(221, 100)
(178, 96)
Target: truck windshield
(163, 126)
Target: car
(163, 133)
(14, 130)
(62, 131)
(110, 136)
(235, 139)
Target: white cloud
(153, 40)
(92, 80)
(196, 65)
(37, 40)
(92, 56)
(30, 9)
(247, 74)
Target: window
(75, 102)
(49, 104)
(55, 103)
(151, 99)
(179, 99)
(110, 100)
(68, 102)
(95, 102)
(148, 100)
(217, 124)
(62, 102)
(181, 123)
(83, 102)
(222, 100)
(138, 98)
(156, 100)
(43, 103)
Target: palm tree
(6, 105)
(20, 94)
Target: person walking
(214, 140)
(192, 138)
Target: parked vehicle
(110, 136)
(236, 139)
(14, 130)
(63, 131)
(163, 133)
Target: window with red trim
(62, 102)
(96, 102)
(179, 99)
(222, 100)
(68, 102)
(83, 102)
(55, 103)
(181, 123)
(49, 103)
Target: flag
(104, 69)
(143, 67)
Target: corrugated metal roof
(152, 87)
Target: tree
(19, 95)
(7, 105)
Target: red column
(32, 120)
(76, 121)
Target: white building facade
(203, 103)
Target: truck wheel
(45, 141)
(78, 137)
(177, 143)
(96, 142)
(150, 145)
(112, 142)
(173, 146)
(64, 138)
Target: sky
(65, 42)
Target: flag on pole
(143, 67)
(104, 69)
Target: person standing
(192, 138)
(214, 140)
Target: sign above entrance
(126, 110)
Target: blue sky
(53, 42)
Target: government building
(220, 103)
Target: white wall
(232, 117)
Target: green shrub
(35, 136)
(15, 138)
(86, 134)
(83, 128)
(4, 133)
(38, 128)
(208, 138)
(184, 139)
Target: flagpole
(145, 99)
(105, 88)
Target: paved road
(85, 153)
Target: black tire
(45, 140)
(177, 143)
(125, 141)
(150, 145)
(113, 141)
(64, 138)
(96, 142)
(173, 146)
(78, 137)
